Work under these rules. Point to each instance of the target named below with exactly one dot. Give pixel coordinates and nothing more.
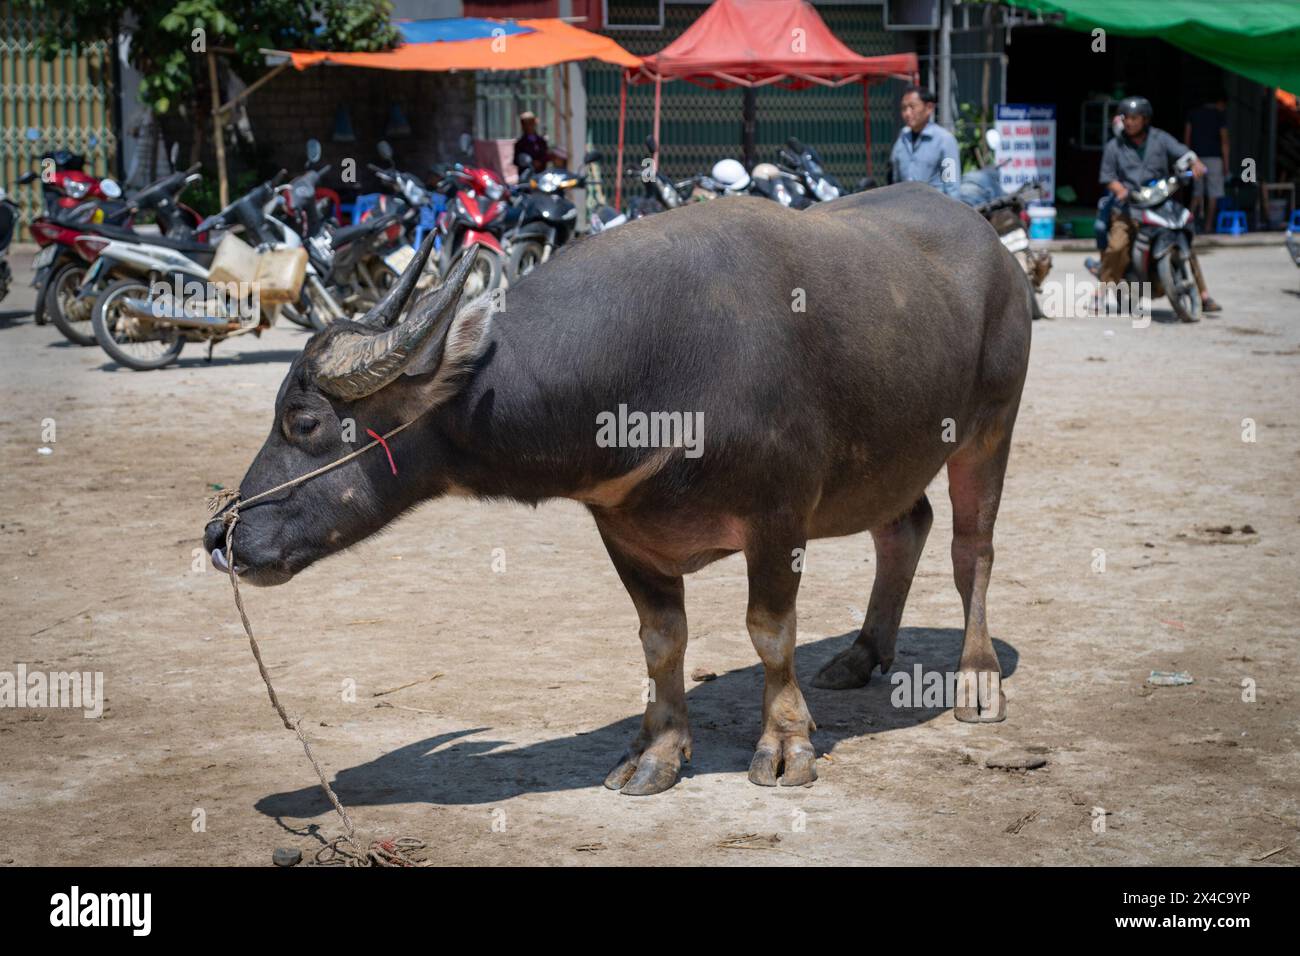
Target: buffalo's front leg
(785, 749)
(654, 758)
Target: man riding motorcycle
(1138, 155)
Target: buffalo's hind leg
(653, 761)
(785, 749)
(898, 549)
(975, 476)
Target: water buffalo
(834, 360)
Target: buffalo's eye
(302, 424)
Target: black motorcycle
(1162, 250)
(805, 163)
(8, 220)
(546, 215)
(660, 192)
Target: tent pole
(749, 126)
(622, 123)
(866, 122)
(659, 85)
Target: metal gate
(700, 126)
(64, 103)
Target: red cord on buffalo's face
(380, 439)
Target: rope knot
(216, 503)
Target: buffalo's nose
(214, 535)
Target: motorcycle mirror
(466, 143)
(993, 138)
(174, 154)
(523, 162)
(594, 156)
(794, 144)
(110, 188)
(26, 178)
(313, 152)
(651, 144)
(384, 150)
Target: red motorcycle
(66, 187)
(472, 224)
(71, 234)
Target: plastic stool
(1231, 222)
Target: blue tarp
(456, 28)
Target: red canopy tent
(753, 43)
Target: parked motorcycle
(982, 190)
(1162, 249)
(419, 215)
(66, 186)
(473, 223)
(772, 182)
(61, 265)
(8, 222)
(356, 263)
(547, 217)
(168, 298)
(661, 193)
(805, 163)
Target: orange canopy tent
(507, 45)
(753, 43)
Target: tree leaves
(169, 38)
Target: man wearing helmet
(1139, 154)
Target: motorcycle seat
(345, 234)
(152, 194)
(191, 247)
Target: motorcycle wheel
(70, 315)
(524, 258)
(485, 274)
(1180, 286)
(38, 311)
(135, 343)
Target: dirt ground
(1129, 441)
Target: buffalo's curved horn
(356, 364)
(386, 311)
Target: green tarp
(1259, 39)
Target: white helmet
(766, 171)
(730, 175)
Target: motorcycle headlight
(494, 190)
(75, 188)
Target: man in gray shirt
(925, 152)
(1131, 160)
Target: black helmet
(1136, 106)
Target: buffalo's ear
(450, 356)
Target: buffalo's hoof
(990, 705)
(651, 771)
(791, 762)
(849, 668)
